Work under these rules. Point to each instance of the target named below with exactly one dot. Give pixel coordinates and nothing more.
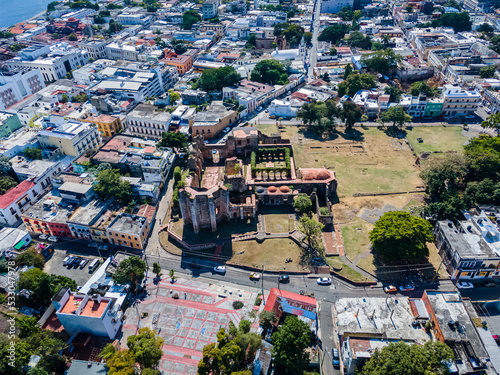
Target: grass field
(268, 129)
(224, 230)
(364, 161)
(272, 251)
(436, 138)
(346, 270)
(279, 223)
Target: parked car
(335, 358)
(103, 247)
(255, 276)
(464, 285)
(83, 263)
(43, 237)
(68, 259)
(284, 278)
(390, 289)
(75, 262)
(53, 239)
(490, 285)
(93, 244)
(406, 288)
(324, 281)
(220, 269)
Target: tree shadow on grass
(353, 134)
(309, 132)
(395, 132)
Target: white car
(324, 281)
(43, 237)
(52, 239)
(464, 285)
(220, 269)
(67, 259)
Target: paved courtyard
(188, 323)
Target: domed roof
(272, 189)
(72, 19)
(260, 189)
(322, 175)
(284, 189)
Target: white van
(93, 265)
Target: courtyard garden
(270, 163)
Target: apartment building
(72, 138)
(120, 51)
(49, 216)
(209, 9)
(144, 121)
(459, 102)
(95, 48)
(129, 230)
(17, 84)
(85, 216)
(17, 199)
(470, 251)
(9, 123)
(183, 63)
(54, 61)
(107, 125)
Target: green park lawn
(436, 138)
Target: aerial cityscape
(238, 187)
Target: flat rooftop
(90, 308)
(87, 214)
(129, 224)
(73, 187)
(388, 318)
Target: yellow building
(212, 121)
(183, 63)
(107, 125)
(129, 230)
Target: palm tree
(108, 351)
(28, 326)
(386, 39)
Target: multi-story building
(135, 83)
(492, 97)
(145, 122)
(54, 61)
(9, 123)
(85, 216)
(434, 107)
(335, 6)
(49, 216)
(183, 63)
(471, 251)
(211, 122)
(129, 230)
(459, 102)
(120, 51)
(209, 9)
(134, 16)
(17, 199)
(42, 171)
(17, 84)
(107, 125)
(72, 138)
(88, 311)
(95, 48)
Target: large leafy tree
(396, 115)
(302, 203)
(33, 153)
(443, 174)
(130, 270)
(189, 18)
(311, 230)
(121, 363)
(174, 140)
(350, 113)
(358, 39)
(333, 34)
(424, 88)
(292, 32)
(487, 71)
(109, 185)
(289, 346)
(383, 61)
(217, 79)
(23, 353)
(30, 258)
(459, 21)
(356, 82)
(146, 347)
(483, 158)
(399, 237)
(402, 359)
(271, 72)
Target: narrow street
(315, 30)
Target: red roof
(15, 193)
(271, 300)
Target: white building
(95, 48)
(460, 102)
(13, 238)
(335, 6)
(143, 121)
(18, 84)
(284, 108)
(72, 138)
(209, 9)
(120, 51)
(17, 199)
(89, 312)
(54, 61)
